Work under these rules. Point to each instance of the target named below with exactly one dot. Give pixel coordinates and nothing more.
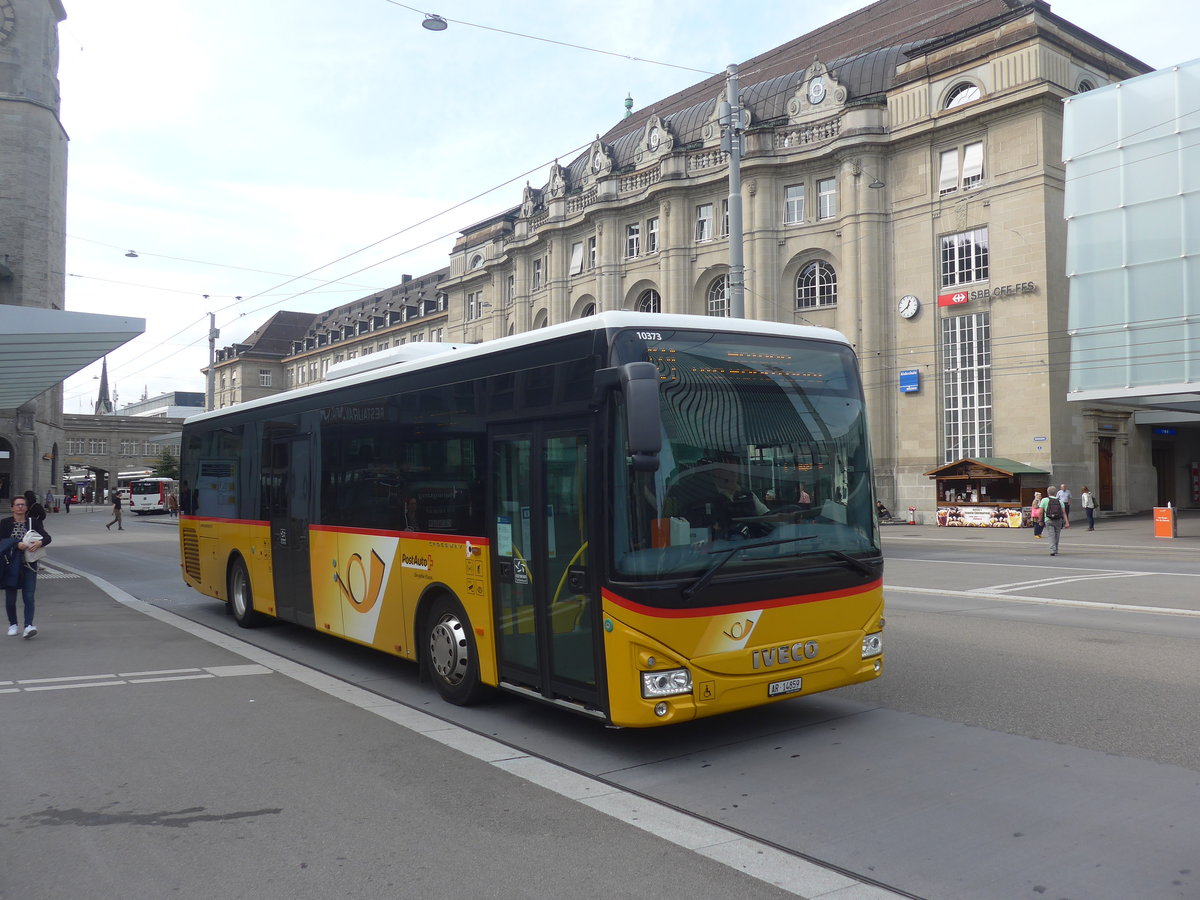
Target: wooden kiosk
(988, 492)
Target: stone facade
(292, 349)
(105, 446)
(928, 169)
(33, 176)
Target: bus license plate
(777, 688)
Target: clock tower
(33, 204)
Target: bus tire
(241, 597)
(450, 654)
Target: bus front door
(545, 597)
(289, 479)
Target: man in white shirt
(1064, 497)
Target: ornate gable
(657, 141)
(820, 95)
(599, 162)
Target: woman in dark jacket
(15, 572)
(33, 508)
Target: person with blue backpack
(1053, 515)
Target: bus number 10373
(650, 335)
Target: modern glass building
(1132, 202)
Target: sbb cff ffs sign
(953, 299)
(995, 293)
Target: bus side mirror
(643, 418)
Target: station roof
(42, 347)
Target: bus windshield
(765, 462)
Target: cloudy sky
(302, 154)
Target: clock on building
(816, 90)
(908, 306)
(654, 139)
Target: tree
(166, 466)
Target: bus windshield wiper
(853, 561)
(702, 582)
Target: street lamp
(434, 22)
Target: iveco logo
(784, 654)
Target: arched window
(476, 261)
(650, 301)
(718, 297)
(962, 94)
(816, 285)
(589, 310)
(1085, 86)
(542, 319)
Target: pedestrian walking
(116, 519)
(49, 501)
(1052, 513)
(1089, 507)
(67, 500)
(20, 533)
(33, 508)
(1036, 516)
(1064, 497)
(172, 505)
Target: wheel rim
(237, 590)
(448, 649)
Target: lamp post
(733, 125)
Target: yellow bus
(643, 518)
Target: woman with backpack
(1035, 514)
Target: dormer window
(962, 94)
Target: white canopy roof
(41, 347)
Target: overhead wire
(928, 25)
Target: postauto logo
(358, 585)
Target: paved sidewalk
(1129, 531)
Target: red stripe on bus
(705, 611)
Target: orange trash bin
(1164, 522)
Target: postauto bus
(643, 518)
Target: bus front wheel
(450, 654)
(241, 598)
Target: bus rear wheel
(241, 598)
(450, 655)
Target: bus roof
(348, 375)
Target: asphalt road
(1034, 734)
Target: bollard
(912, 515)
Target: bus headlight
(872, 645)
(667, 683)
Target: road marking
(67, 687)
(1055, 566)
(759, 860)
(1061, 579)
(1043, 601)
(67, 682)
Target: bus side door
(291, 490)
(546, 601)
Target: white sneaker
(30, 631)
(13, 630)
